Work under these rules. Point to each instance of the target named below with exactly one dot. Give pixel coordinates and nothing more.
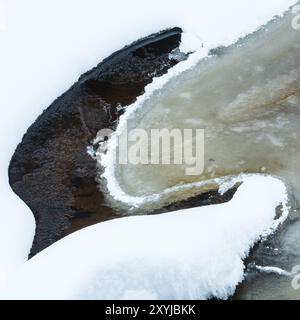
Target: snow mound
(188, 254)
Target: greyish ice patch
(247, 100)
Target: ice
(248, 125)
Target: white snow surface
(46, 45)
(273, 270)
(188, 254)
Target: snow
(2, 19)
(273, 270)
(46, 45)
(188, 254)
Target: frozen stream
(247, 99)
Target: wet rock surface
(203, 199)
(51, 170)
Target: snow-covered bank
(189, 254)
(45, 46)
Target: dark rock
(51, 170)
(203, 199)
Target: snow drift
(188, 254)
